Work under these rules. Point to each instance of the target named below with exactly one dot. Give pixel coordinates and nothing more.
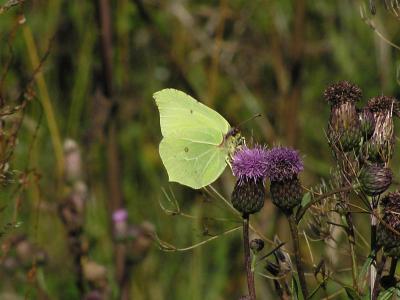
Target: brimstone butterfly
(197, 141)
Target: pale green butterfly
(197, 141)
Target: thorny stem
(297, 254)
(247, 258)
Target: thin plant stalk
(376, 286)
(247, 258)
(393, 265)
(297, 254)
(352, 242)
(45, 100)
(374, 221)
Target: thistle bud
(273, 268)
(375, 179)
(367, 122)
(388, 232)
(344, 130)
(248, 166)
(256, 245)
(248, 197)
(379, 148)
(286, 194)
(283, 166)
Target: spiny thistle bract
(283, 166)
(344, 130)
(248, 165)
(367, 122)
(380, 146)
(375, 179)
(388, 233)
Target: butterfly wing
(179, 111)
(192, 149)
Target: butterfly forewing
(179, 111)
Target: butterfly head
(233, 141)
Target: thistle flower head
(342, 92)
(249, 164)
(283, 163)
(382, 104)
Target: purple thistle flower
(283, 163)
(250, 164)
(120, 215)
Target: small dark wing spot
(191, 111)
(186, 149)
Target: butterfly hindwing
(191, 163)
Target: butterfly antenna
(248, 120)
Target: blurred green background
(85, 71)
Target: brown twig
(113, 156)
(297, 255)
(247, 258)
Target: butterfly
(197, 143)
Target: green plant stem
(45, 101)
(247, 258)
(352, 243)
(297, 254)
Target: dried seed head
(379, 148)
(382, 104)
(388, 233)
(391, 209)
(342, 92)
(375, 179)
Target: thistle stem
(373, 271)
(297, 254)
(352, 242)
(376, 287)
(247, 258)
(393, 265)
